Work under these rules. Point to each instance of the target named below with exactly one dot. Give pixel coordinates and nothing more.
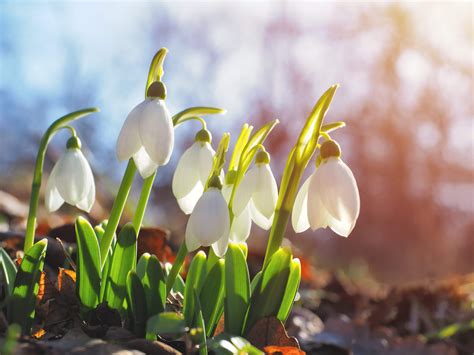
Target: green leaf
(8, 270)
(156, 68)
(137, 304)
(193, 280)
(242, 141)
(166, 323)
(212, 296)
(155, 286)
(291, 290)
(178, 285)
(123, 260)
(259, 137)
(270, 289)
(227, 344)
(200, 324)
(195, 112)
(255, 280)
(23, 299)
(237, 290)
(88, 264)
(142, 265)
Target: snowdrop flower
(192, 171)
(329, 197)
(258, 192)
(209, 222)
(147, 135)
(71, 180)
(241, 225)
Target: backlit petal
(192, 243)
(73, 176)
(299, 216)
(244, 191)
(259, 219)
(318, 215)
(265, 194)
(206, 159)
(240, 228)
(87, 203)
(128, 142)
(146, 167)
(220, 247)
(53, 199)
(156, 131)
(188, 202)
(186, 175)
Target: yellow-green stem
(176, 268)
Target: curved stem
(38, 172)
(117, 210)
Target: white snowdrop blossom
(70, 181)
(257, 192)
(328, 198)
(209, 223)
(191, 174)
(241, 225)
(147, 136)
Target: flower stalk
(38, 172)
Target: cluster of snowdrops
(222, 206)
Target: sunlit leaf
(137, 304)
(193, 280)
(194, 112)
(166, 323)
(8, 270)
(290, 290)
(155, 286)
(212, 296)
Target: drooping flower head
(258, 192)
(329, 197)
(209, 222)
(192, 171)
(71, 180)
(147, 134)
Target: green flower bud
(157, 90)
(73, 142)
(203, 136)
(330, 149)
(262, 157)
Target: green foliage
(237, 290)
(212, 296)
(200, 335)
(294, 279)
(154, 285)
(193, 281)
(178, 285)
(195, 113)
(270, 289)
(123, 260)
(8, 271)
(166, 323)
(22, 302)
(137, 304)
(226, 344)
(88, 265)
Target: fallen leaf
(283, 350)
(270, 332)
(155, 241)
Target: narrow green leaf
(154, 285)
(137, 304)
(332, 126)
(142, 265)
(255, 281)
(193, 280)
(200, 324)
(178, 285)
(219, 157)
(227, 344)
(259, 136)
(166, 323)
(270, 289)
(291, 290)
(123, 260)
(212, 296)
(8, 270)
(88, 265)
(245, 250)
(237, 290)
(241, 142)
(193, 112)
(22, 301)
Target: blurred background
(406, 75)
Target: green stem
(117, 210)
(176, 268)
(142, 202)
(38, 172)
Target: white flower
(258, 192)
(241, 225)
(328, 198)
(71, 180)
(191, 174)
(147, 136)
(209, 223)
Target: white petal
(342, 228)
(146, 167)
(299, 216)
(220, 247)
(266, 191)
(206, 160)
(128, 141)
(87, 203)
(188, 202)
(244, 191)
(192, 243)
(156, 131)
(318, 215)
(186, 175)
(240, 228)
(73, 176)
(227, 191)
(338, 190)
(53, 199)
(210, 218)
(259, 219)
